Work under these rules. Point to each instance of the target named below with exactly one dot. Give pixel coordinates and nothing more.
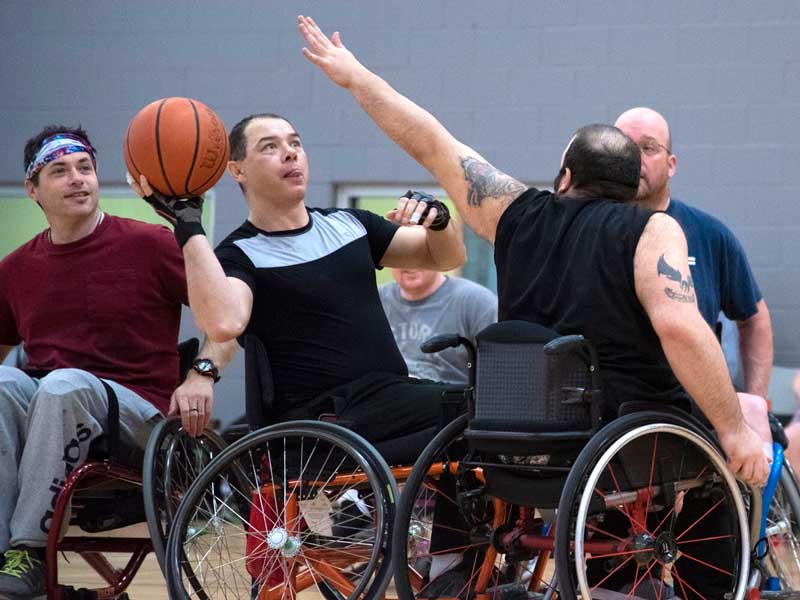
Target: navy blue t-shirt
(722, 277)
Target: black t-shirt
(315, 301)
(567, 264)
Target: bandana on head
(56, 146)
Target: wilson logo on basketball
(218, 140)
(179, 144)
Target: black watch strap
(206, 368)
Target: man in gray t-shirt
(421, 304)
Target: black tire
(172, 461)
(261, 546)
(679, 478)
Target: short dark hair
(237, 139)
(604, 163)
(33, 145)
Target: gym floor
(147, 585)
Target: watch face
(204, 365)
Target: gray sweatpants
(46, 426)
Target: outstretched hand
(330, 55)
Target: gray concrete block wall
(513, 78)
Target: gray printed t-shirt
(458, 306)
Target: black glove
(185, 215)
(442, 214)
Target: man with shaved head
(721, 273)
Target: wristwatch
(206, 368)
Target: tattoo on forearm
(487, 182)
(686, 294)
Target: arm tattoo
(487, 182)
(687, 285)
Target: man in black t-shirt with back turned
(580, 260)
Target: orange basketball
(179, 144)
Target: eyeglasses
(651, 147)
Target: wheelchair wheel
(292, 509)
(172, 461)
(650, 509)
(459, 534)
(781, 562)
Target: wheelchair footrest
(102, 515)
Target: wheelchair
(108, 492)
(539, 495)
(289, 509)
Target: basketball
(179, 144)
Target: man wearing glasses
(722, 277)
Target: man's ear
(30, 189)
(235, 170)
(565, 181)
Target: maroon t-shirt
(109, 304)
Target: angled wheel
(292, 509)
(650, 509)
(172, 461)
(781, 561)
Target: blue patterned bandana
(56, 146)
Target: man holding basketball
(303, 281)
(96, 299)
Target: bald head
(645, 121)
(650, 131)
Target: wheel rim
(680, 540)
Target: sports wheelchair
(109, 491)
(645, 506)
(289, 509)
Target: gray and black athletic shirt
(315, 301)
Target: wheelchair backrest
(259, 385)
(530, 379)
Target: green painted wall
(21, 218)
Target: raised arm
(480, 192)
(689, 344)
(221, 305)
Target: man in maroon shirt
(92, 297)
